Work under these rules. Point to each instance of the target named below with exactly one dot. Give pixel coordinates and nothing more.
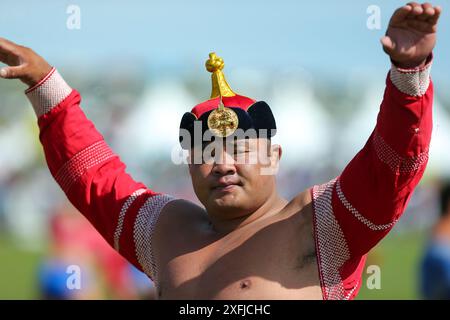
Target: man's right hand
(23, 63)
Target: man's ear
(274, 157)
(275, 153)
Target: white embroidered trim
(412, 82)
(87, 158)
(357, 215)
(397, 163)
(122, 213)
(332, 248)
(347, 297)
(49, 93)
(144, 228)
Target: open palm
(411, 35)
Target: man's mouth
(226, 186)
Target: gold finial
(221, 121)
(220, 87)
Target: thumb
(388, 44)
(12, 72)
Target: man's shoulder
(300, 209)
(302, 202)
(181, 213)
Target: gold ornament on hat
(222, 121)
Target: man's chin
(226, 203)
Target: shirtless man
(247, 242)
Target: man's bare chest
(272, 261)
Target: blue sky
(325, 36)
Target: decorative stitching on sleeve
(144, 228)
(412, 82)
(49, 93)
(123, 211)
(397, 163)
(350, 293)
(332, 249)
(357, 215)
(87, 158)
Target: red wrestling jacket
(352, 213)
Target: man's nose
(224, 164)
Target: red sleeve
(92, 176)
(353, 212)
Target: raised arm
(357, 209)
(91, 175)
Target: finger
(12, 72)
(413, 4)
(7, 46)
(428, 11)
(9, 59)
(428, 8)
(8, 52)
(401, 14)
(437, 13)
(416, 10)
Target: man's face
(235, 179)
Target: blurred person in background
(104, 274)
(247, 242)
(69, 246)
(435, 266)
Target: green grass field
(18, 269)
(397, 255)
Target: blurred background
(317, 63)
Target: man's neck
(271, 207)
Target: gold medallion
(223, 122)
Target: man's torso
(272, 258)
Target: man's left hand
(411, 35)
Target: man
(247, 242)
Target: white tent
(152, 127)
(303, 125)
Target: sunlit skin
(246, 241)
